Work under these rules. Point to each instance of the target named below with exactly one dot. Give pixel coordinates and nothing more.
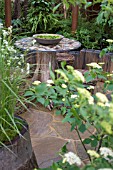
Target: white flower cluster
(106, 152)
(72, 158)
(105, 169)
(93, 153)
(94, 65)
(36, 83)
(50, 82)
(1, 25)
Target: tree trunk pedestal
(44, 61)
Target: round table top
(30, 44)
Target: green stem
(100, 143)
(82, 142)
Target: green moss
(49, 37)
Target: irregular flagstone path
(49, 134)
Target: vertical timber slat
(88, 56)
(74, 18)
(7, 13)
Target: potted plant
(69, 94)
(15, 145)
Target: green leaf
(101, 77)
(64, 148)
(63, 110)
(46, 103)
(88, 4)
(55, 166)
(87, 141)
(40, 89)
(103, 52)
(28, 93)
(89, 78)
(41, 100)
(58, 112)
(110, 87)
(56, 7)
(82, 128)
(52, 75)
(94, 143)
(73, 125)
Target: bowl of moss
(48, 39)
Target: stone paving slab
(49, 134)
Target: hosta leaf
(28, 93)
(41, 100)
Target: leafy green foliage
(10, 83)
(69, 96)
(42, 16)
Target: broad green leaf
(89, 78)
(40, 89)
(87, 141)
(58, 112)
(41, 100)
(94, 143)
(82, 128)
(28, 93)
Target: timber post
(7, 13)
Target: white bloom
(5, 33)
(91, 100)
(72, 158)
(93, 153)
(94, 65)
(33, 42)
(63, 99)
(109, 40)
(64, 86)
(49, 85)
(73, 96)
(101, 97)
(1, 25)
(105, 152)
(22, 57)
(19, 63)
(22, 70)
(36, 82)
(5, 42)
(28, 68)
(107, 104)
(50, 82)
(10, 29)
(78, 75)
(105, 169)
(90, 87)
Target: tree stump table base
(44, 60)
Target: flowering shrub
(69, 94)
(11, 78)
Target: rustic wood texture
(43, 60)
(88, 56)
(69, 58)
(20, 155)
